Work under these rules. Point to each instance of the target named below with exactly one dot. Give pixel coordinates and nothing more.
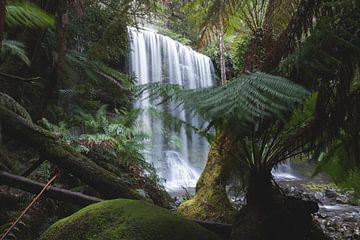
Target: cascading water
(284, 172)
(177, 153)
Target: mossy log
(211, 202)
(65, 156)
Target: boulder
(123, 219)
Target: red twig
(46, 187)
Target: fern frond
(16, 49)
(96, 71)
(27, 14)
(244, 100)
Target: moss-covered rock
(211, 202)
(123, 219)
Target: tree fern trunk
(259, 192)
(211, 202)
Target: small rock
(350, 218)
(342, 199)
(331, 193)
(318, 195)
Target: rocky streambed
(337, 216)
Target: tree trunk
(62, 29)
(65, 156)
(222, 53)
(211, 202)
(2, 21)
(259, 192)
(28, 185)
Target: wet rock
(336, 217)
(350, 218)
(342, 199)
(319, 195)
(331, 193)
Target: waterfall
(177, 153)
(284, 171)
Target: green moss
(211, 202)
(319, 187)
(123, 219)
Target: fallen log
(65, 156)
(31, 186)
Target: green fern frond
(16, 49)
(96, 71)
(246, 99)
(27, 14)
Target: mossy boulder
(124, 219)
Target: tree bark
(65, 156)
(28, 185)
(222, 53)
(211, 202)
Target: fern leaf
(15, 48)
(27, 14)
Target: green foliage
(61, 130)
(25, 13)
(79, 66)
(235, 47)
(328, 61)
(304, 115)
(115, 132)
(102, 31)
(252, 110)
(340, 164)
(170, 121)
(175, 36)
(15, 49)
(241, 102)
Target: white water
(177, 153)
(284, 172)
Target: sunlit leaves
(27, 14)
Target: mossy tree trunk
(211, 202)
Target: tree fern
(27, 14)
(243, 101)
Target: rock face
(123, 219)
